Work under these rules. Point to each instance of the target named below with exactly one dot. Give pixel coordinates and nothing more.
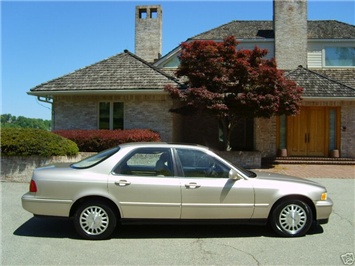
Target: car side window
(196, 163)
(146, 162)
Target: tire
(291, 218)
(94, 220)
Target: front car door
(145, 185)
(208, 193)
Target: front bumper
(323, 210)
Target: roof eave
(96, 92)
(348, 98)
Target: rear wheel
(291, 218)
(94, 220)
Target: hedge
(98, 140)
(29, 142)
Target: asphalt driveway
(26, 240)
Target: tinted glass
(147, 162)
(199, 164)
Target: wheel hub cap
(94, 220)
(292, 218)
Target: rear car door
(145, 185)
(208, 193)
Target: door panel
(316, 132)
(216, 198)
(306, 132)
(145, 185)
(208, 193)
(296, 135)
(147, 197)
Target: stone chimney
(148, 40)
(290, 27)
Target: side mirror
(234, 175)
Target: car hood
(285, 178)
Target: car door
(208, 193)
(145, 185)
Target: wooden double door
(308, 132)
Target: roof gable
(124, 71)
(316, 85)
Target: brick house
(126, 90)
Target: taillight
(33, 186)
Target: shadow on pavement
(64, 228)
(47, 227)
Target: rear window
(95, 159)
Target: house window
(110, 115)
(340, 56)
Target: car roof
(160, 144)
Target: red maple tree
(232, 84)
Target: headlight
(323, 196)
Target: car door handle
(122, 183)
(192, 185)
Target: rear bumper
(46, 207)
(323, 210)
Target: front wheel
(94, 220)
(291, 218)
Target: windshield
(95, 159)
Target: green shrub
(28, 142)
(99, 140)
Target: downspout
(48, 99)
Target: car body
(164, 182)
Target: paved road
(313, 170)
(32, 241)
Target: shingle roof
(317, 85)
(124, 71)
(343, 75)
(262, 29)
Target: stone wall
(290, 27)
(19, 168)
(148, 32)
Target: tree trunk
(227, 128)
